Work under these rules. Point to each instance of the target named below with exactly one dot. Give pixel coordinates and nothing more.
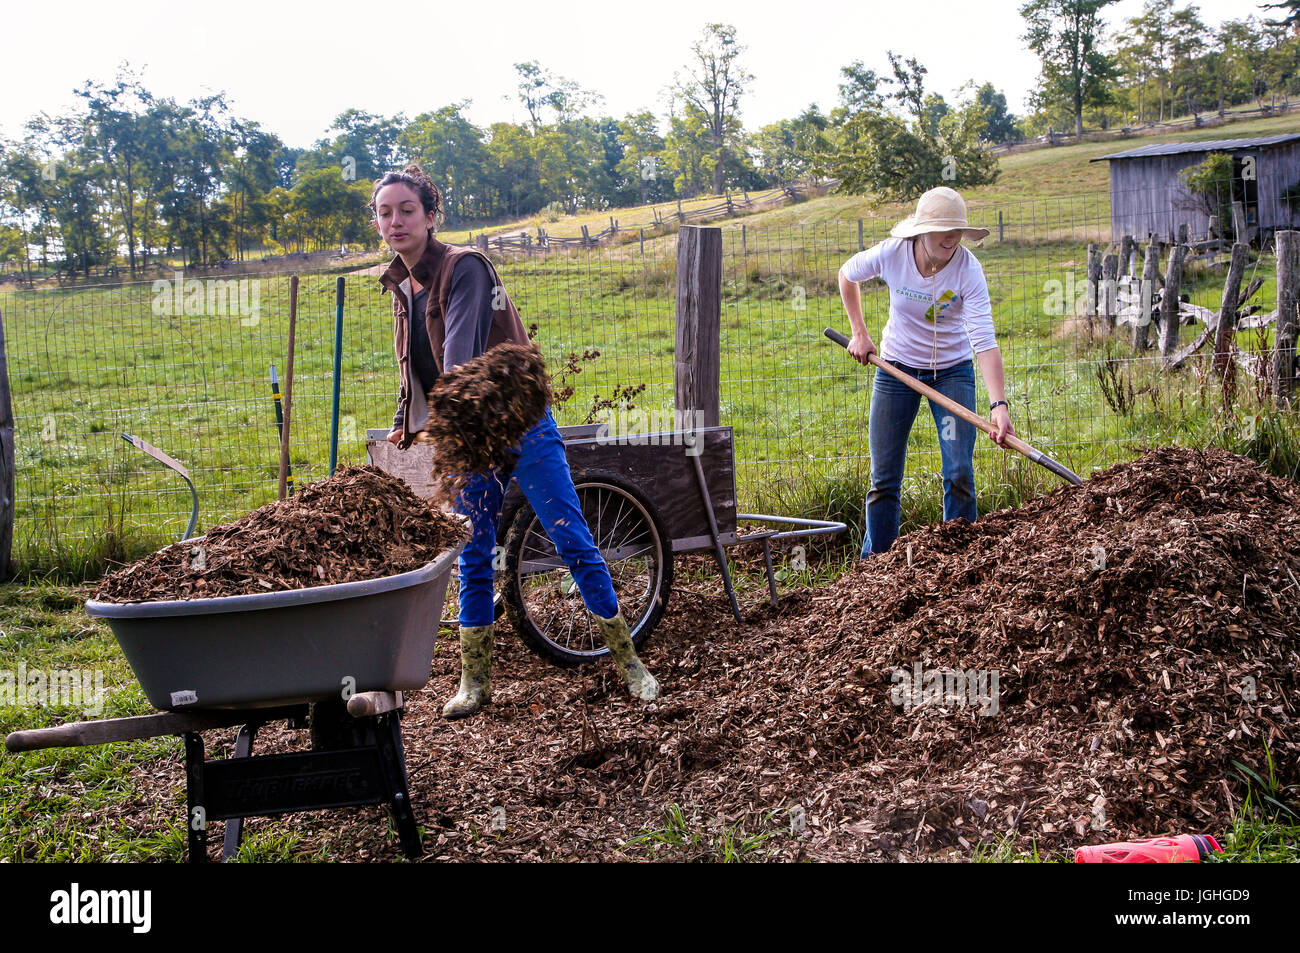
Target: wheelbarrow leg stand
(196, 822)
(355, 758)
(388, 738)
(235, 826)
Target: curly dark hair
(417, 179)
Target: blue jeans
(543, 474)
(893, 410)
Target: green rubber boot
(640, 683)
(475, 666)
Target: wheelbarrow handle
(1010, 440)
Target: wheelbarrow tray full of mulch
(280, 648)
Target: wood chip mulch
(1142, 627)
(480, 410)
(361, 523)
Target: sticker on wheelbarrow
(184, 698)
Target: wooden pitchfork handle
(1010, 440)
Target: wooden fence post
(6, 463)
(1091, 297)
(699, 322)
(1126, 255)
(861, 246)
(1110, 289)
(643, 241)
(1169, 301)
(1001, 234)
(1223, 334)
(483, 243)
(744, 241)
(1239, 223)
(1147, 291)
(1288, 297)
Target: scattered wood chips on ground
(359, 524)
(1142, 629)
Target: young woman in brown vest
(449, 306)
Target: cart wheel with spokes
(541, 595)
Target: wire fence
(185, 364)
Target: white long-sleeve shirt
(959, 293)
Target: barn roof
(1212, 145)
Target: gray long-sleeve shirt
(468, 321)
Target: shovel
(1014, 442)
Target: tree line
(130, 179)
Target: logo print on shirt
(944, 301)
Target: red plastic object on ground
(1191, 848)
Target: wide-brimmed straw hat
(939, 210)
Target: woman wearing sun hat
(939, 314)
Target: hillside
(1034, 175)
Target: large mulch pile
(480, 410)
(1124, 618)
(359, 524)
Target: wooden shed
(1146, 196)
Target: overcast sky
(293, 67)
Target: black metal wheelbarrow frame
(335, 659)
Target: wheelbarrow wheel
(541, 596)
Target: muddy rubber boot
(475, 666)
(640, 683)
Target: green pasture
(88, 364)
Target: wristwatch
(998, 403)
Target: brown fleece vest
(434, 271)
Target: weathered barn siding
(1148, 198)
(1279, 169)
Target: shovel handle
(965, 413)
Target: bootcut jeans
(543, 474)
(893, 411)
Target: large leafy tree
(860, 91)
(252, 172)
(689, 158)
(513, 169)
(899, 156)
(114, 129)
(796, 148)
(711, 88)
(27, 195)
(1073, 70)
(328, 210)
(201, 144)
(451, 149)
(1001, 125)
(640, 173)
